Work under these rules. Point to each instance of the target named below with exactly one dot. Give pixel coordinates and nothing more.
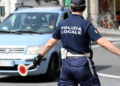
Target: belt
(65, 53)
(77, 55)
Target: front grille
(11, 50)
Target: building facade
(10, 5)
(95, 8)
(104, 10)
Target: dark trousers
(77, 70)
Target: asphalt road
(107, 64)
(107, 67)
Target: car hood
(24, 40)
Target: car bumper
(26, 60)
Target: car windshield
(26, 22)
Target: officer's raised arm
(95, 36)
(108, 45)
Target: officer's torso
(74, 35)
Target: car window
(40, 22)
(8, 24)
(65, 15)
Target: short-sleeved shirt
(75, 34)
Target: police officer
(75, 34)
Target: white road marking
(94, 46)
(107, 75)
(116, 42)
(112, 38)
(97, 45)
(117, 39)
(109, 39)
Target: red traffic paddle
(23, 70)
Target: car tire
(51, 69)
(60, 59)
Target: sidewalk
(108, 31)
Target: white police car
(23, 33)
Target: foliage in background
(52, 0)
(38, 1)
(57, 1)
(47, 0)
(22, 3)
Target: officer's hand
(37, 60)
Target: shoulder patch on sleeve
(96, 31)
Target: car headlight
(32, 50)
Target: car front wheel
(51, 69)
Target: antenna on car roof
(23, 6)
(62, 8)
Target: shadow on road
(99, 68)
(28, 79)
(37, 79)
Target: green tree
(22, 3)
(38, 1)
(57, 1)
(46, 0)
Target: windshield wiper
(2, 31)
(9, 32)
(15, 32)
(30, 32)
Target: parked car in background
(23, 34)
